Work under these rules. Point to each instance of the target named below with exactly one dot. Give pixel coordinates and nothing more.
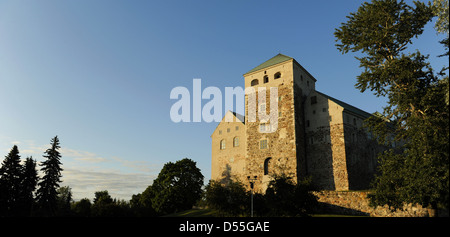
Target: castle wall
(357, 203)
(229, 162)
(361, 153)
(341, 155)
(303, 80)
(300, 135)
(280, 154)
(304, 84)
(316, 135)
(325, 147)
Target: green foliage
(230, 199)
(286, 198)
(441, 11)
(17, 185)
(105, 206)
(102, 197)
(141, 204)
(381, 30)
(177, 187)
(63, 201)
(283, 197)
(82, 208)
(417, 111)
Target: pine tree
(10, 182)
(49, 184)
(29, 182)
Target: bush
(283, 197)
(230, 199)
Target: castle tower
(281, 151)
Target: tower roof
(279, 58)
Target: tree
(141, 204)
(417, 114)
(10, 182)
(64, 200)
(29, 182)
(228, 198)
(103, 203)
(105, 206)
(177, 187)
(441, 11)
(283, 197)
(102, 197)
(51, 167)
(286, 198)
(82, 208)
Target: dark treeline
(178, 187)
(22, 191)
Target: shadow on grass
(326, 209)
(194, 213)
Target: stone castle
(317, 135)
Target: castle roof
(346, 106)
(279, 58)
(229, 117)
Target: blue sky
(99, 74)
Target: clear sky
(99, 74)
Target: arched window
(236, 141)
(254, 82)
(266, 79)
(277, 75)
(266, 166)
(222, 144)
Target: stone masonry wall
(357, 203)
(327, 159)
(279, 155)
(280, 144)
(300, 135)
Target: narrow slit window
(222, 144)
(266, 166)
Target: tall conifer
(49, 184)
(10, 182)
(29, 182)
